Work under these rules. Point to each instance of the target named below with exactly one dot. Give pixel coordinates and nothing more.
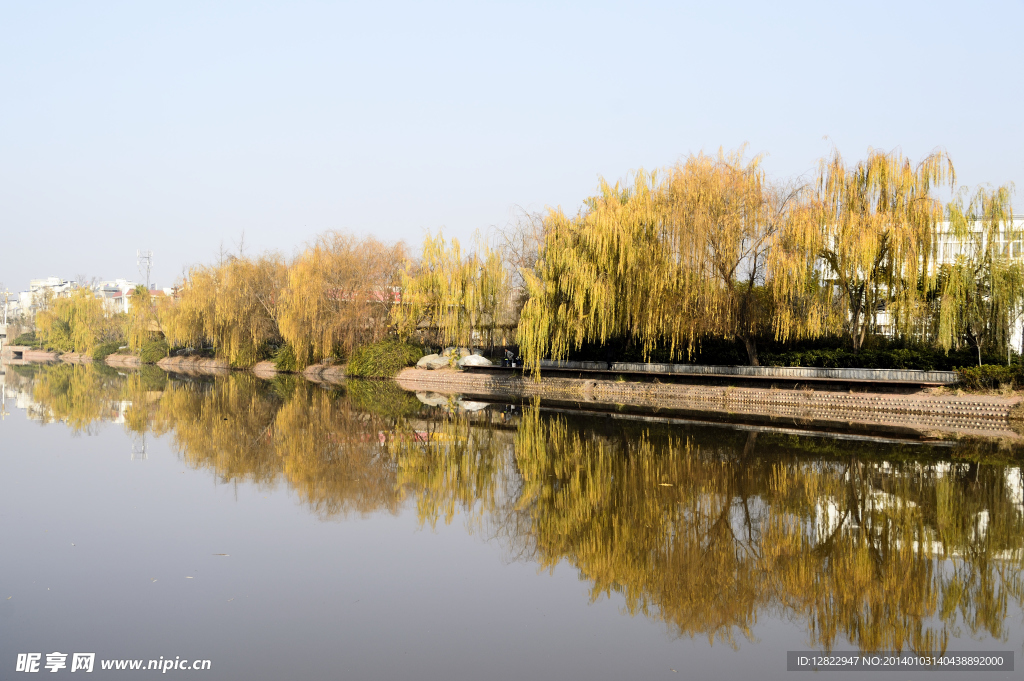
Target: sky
(179, 127)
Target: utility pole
(144, 260)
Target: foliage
(284, 359)
(28, 339)
(233, 306)
(990, 377)
(104, 350)
(666, 261)
(982, 292)
(457, 295)
(383, 359)
(139, 322)
(153, 351)
(874, 230)
(340, 291)
(75, 323)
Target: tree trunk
(751, 346)
(854, 331)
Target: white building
(38, 289)
(948, 247)
(115, 294)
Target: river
(283, 529)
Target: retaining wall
(946, 413)
(782, 373)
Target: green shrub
(991, 377)
(26, 339)
(104, 350)
(285, 359)
(153, 351)
(383, 359)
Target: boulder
(474, 361)
(433, 362)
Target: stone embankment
(939, 413)
(23, 354)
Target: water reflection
(709, 530)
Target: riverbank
(934, 413)
(927, 414)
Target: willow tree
(75, 323)
(726, 222)
(603, 273)
(233, 306)
(666, 261)
(139, 322)
(457, 295)
(982, 289)
(875, 228)
(339, 295)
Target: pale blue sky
(177, 125)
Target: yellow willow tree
(982, 290)
(459, 296)
(875, 227)
(602, 274)
(725, 222)
(667, 261)
(140, 320)
(339, 295)
(234, 306)
(76, 323)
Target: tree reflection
(707, 532)
(706, 529)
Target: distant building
(39, 289)
(948, 247)
(115, 294)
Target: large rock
(474, 361)
(433, 362)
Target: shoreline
(926, 414)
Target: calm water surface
(283, 530)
